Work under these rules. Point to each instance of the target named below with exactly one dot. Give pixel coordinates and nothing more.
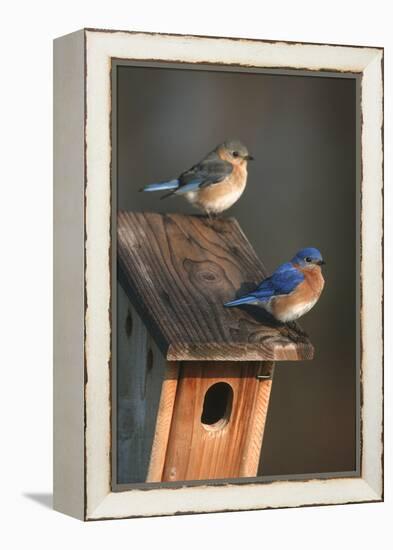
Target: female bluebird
(215, 183)
(292, 290)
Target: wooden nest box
(193, 377)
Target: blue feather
(190, 186)
(248, 299)
(283, 281)
(161, 186)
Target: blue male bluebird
(215, 183)
(292, 290)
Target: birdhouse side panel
(140, 374)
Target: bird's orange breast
(314, 280)
(302, 298)
(220, 196)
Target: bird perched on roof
(292, 290)
(215, 183)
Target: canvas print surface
(237, 281)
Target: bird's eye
(235, 154)
(308, 259)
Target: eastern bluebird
(292, 290)
(215, 183)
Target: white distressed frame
(100, 48)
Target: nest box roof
(178, 271)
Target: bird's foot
(296, 331)
(210, 219)
(285, 331)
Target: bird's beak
(321, 262)
(249, 157)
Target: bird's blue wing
(207, 172)
(283, 281)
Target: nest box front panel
(217, 423)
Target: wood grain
(253, 445)
(231, 449)
(163, 425)
(179, 271)
(140, 371)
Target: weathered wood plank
(252, 448)
(140, 371)
(163, 425)
(178, 271)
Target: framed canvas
(165, 345)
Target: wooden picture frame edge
(82, 272)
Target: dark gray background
(301, 191)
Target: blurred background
(302, 131)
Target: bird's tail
(161, 186)
(249, 299)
